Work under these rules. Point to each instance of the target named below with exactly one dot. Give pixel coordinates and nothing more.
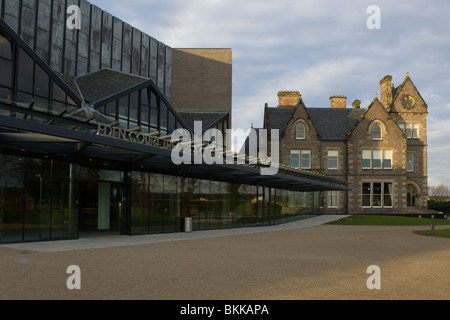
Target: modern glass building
(90, 154)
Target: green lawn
(374, 220)
(366, 220)
(445, 233)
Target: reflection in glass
(37, 199)
(5, 73)
(41, 83)
(5, 46)
(25, 72)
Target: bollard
(432, 225)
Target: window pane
(367, 159)
(163, 116)
(377, 159)
(5, 94)
(171, 122)
(41, 82)
(387, 195)
(144, 97)
(387, 159)
(134, 107)
(410, 162)
(123, 108)
(111, 109)
(5, 46)
(5, 73)
(295, 159)
(376, 195)
(376, 132)
(332, 199)
(408, 131)
(25, 73)
(145, 115)
(300, 131)
(306, 159)
(333, 159)
(154, 117)
(415, 133)
(58, 93)
(366, 191)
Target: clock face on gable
(408, 102)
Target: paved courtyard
(299, 261)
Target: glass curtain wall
(29, 83)
(142, 108)
(37, 199)
(160, 203)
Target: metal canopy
(85, 147)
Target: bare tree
(440, 192)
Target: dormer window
(376, 132)
(300, 131)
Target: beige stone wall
(392, 139)
(202, 79)
(388, 116)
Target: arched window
(300, 131)
(411, 199)
(376, 132)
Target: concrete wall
(104, 41)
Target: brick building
(380, 150)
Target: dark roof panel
(279, 117)
(334, 124)
(93, 88)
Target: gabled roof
(334, 124)
(278, 118)
(331, 124)
(396, 91)
(91, 87)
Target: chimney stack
(338, 102)
(288, 99)
(386, 91)
(356, 104)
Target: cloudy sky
(318, 47)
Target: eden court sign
(133, 135)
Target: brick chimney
(288, 99)
(338, 102)
(386, 91)
(356, 104)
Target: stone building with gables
(381, 150)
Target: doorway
(101, 208)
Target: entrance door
(101, 207)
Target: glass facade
(37, 199)
(159, 203)
(142, 108)
(64, 192)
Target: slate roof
(208, 118)
(91, 87)
(332, 124)
(279, 117)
